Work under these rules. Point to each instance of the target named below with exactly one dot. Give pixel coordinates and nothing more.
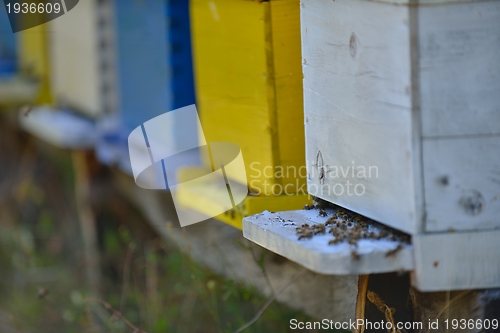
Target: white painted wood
(276, 232)
(452, 261)
(357, 97)
(76, 46)
(425, 2)
(373, 88)
(460, 69)
(59, 128)
(462, 183)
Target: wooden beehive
(411, 89)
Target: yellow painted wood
(286, 57)
(249, 85)
(34, 59)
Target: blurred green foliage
(156, 286)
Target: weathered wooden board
(460, 69)
(59, 128)
(462, 183)
(453, 261)
(276, 232)
(358, 106)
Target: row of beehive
(105, 58)
(408, 92)
(401, 103)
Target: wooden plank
(231, 73)
(59, 128)
(75, 58)
(459, 69)
(462, 183)
(34, 59)
(453, 261)
(358, 106)
(142, 50)
(276, 232)
(287, 79)
(251, 94)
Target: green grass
(157, 287)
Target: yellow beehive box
(34, 59)
(248, 82)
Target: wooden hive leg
(390, 298)
(87, 220)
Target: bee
(305, 234)
(353, 241)
(334, 241)
(319, 229)
(331, 220)
(372, 235)
(358, 219)
(303, 228)
(336, 231)
(392, 252)
(322, 213)
(26, 110)
(355, 255)
(42, 292)
(253, 193)
(322, 169)
(405, 239)
(349, 224)
(308, 207)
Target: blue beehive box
(7, 45)
(154, 72)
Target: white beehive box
(82, 50)
(412, 90)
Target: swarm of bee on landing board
(346, 226)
